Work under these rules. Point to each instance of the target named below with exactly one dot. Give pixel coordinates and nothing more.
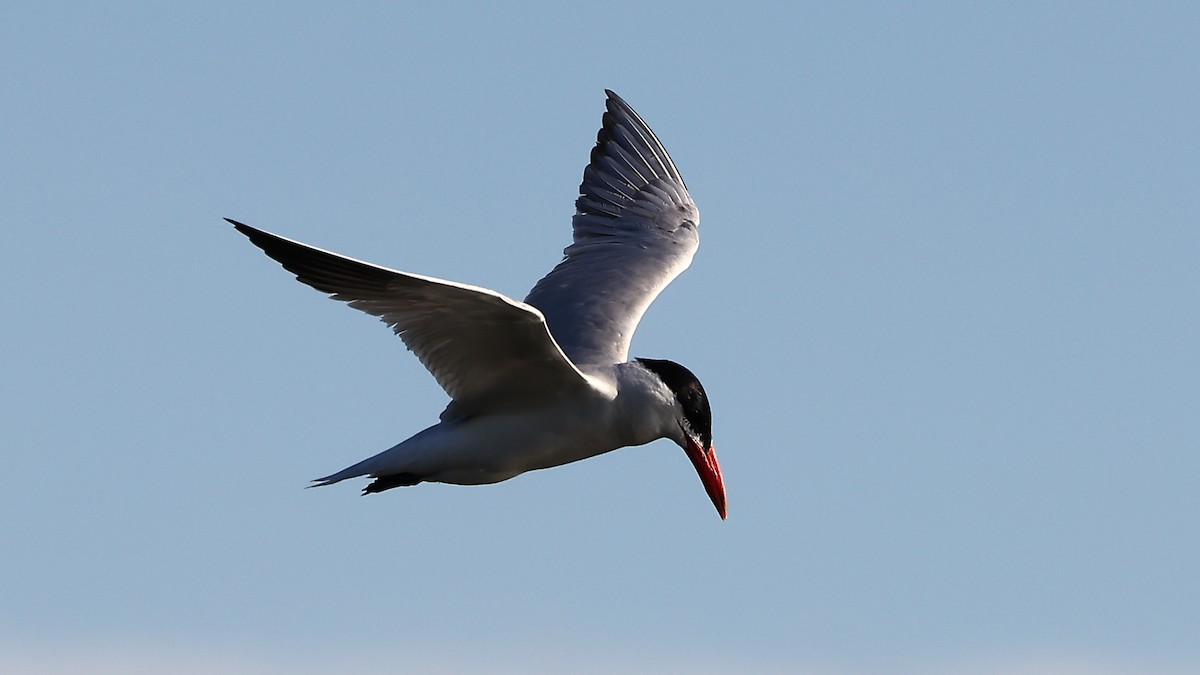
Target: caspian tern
(547, 381)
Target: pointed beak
(709, 470)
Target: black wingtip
(241, 227)
(258, 237)
(619, 102)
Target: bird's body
(544, 382)
(490, 448)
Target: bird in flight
(547, 381)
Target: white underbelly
(493, 448)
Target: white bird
(547, 381)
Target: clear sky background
(946, 308)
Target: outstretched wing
(486, 350)
(635, 229)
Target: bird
(546, 381)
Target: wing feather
(636, 228)
(486, 350)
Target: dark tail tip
(388, 482)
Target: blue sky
(945, 307)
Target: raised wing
(484, 349)
(635, 229)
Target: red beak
(706, 465)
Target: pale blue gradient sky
(945, 306)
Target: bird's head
(693, 425)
